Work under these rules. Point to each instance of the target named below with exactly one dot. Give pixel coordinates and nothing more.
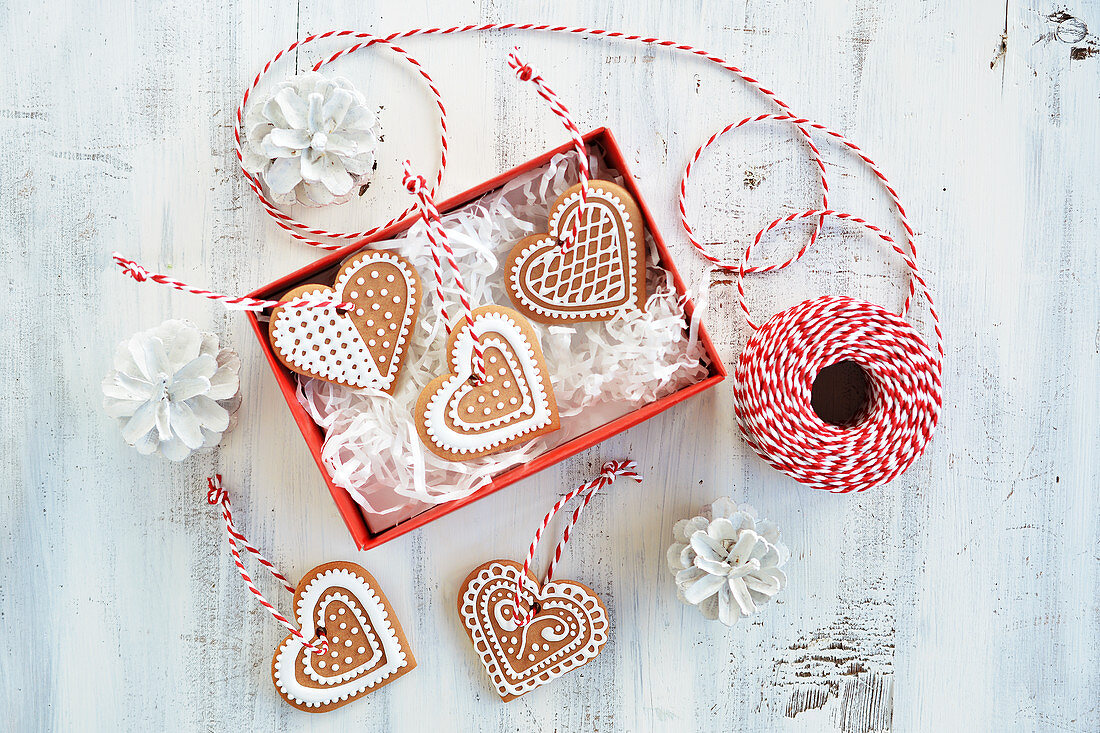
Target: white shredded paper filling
(599, 371)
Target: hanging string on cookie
(232, 302)
(437, 237)
(217, 496)
(526, 73)
(610, 471)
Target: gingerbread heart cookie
(366, 647)
(363, 347)
(568, 630)
(459, 419)
(602, 273)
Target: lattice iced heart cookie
(459, 420)
(568, 630)
(367, 648)
(600, 275)
(364, 347)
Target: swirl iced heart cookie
(366, 646)
(600, 275)
(363, 347)
(460, 419)
(568, 630)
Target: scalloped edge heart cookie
(459, 419)
(609, 258)
(569, 629)
(378, 655)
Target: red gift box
(600, 139)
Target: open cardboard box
(599, 139)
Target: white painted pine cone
(726, 561)
(172, 390)
(312, 139)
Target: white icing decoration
(375, 612)
(466, 388)
(352, 365)
(571, 598)
(606, 204)
(518, 350)
(376, 651)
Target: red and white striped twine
(437, 236)
(364, 40)
(610, 471)
(776, 371)
(803, 125)
(216, 496)
(140, 274)
(526, 73)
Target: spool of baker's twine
(776, 371)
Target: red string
(526, 73)
(438, 238)
(140, 274)
(365, 40)
(610, 471)
(216, 495)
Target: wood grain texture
(962, 597)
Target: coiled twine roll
(776, 372)
(775, 376)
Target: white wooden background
(962, 597)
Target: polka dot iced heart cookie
(366, 646)
(460, 418)
(362, 347)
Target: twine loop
(216, 495)
(608, 473)
(527, 73)
(523, 70)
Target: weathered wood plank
(961, 597)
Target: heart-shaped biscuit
(567, 631)
(363, 347)
(459, 419)
(367, 648)
(603, 272)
